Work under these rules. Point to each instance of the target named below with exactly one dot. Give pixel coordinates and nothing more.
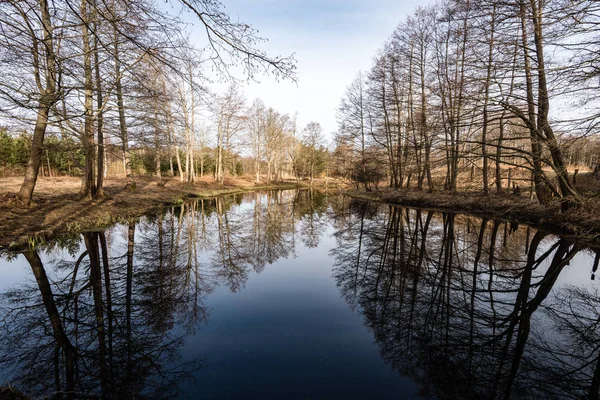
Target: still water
(297, 294)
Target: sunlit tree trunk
(123, 134)
(99, 120)
(540, 180)
(157, 138)
(88, 185)
(558, 162)
(484, 130)
(48, 97)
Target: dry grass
(587, 184)
(57, 209)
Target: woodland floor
(57, 209)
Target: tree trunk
(48, 97)
(88, 186)
(121, 108)
(157, 147)
(179, 168)
(35, 156)
(541, 189)
(220, 156)
(193, 124)
(50, 168)
(202, 153)
(566, 188)
(99, 121)
(488, 79)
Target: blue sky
(332, 40)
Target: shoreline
(582, 223)
(57, 212)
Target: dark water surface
(303, 295)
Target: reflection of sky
(16, 270)
(13, 272)
(289, 334)
(576, 274)
(579, 272)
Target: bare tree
(256, 121)
(228, 111)
(353, 119)
(30, 70)
(35, 32)
(312, 139)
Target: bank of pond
(301, 294)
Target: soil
(58, 211)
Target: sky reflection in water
(299, 294)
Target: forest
(490, 98)
(97, 88)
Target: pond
(301, 294)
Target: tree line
(479, 91)
(118, 75)
(235, 139)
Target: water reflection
(464, 307)
(90, 327)
(471, 308)
(108, 314)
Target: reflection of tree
(108, 324)
(230, 257)
(310, 207)
(462, 305)
(62, 343)
(270, 236)
(89, 335)
(574, 312)
(250, 238)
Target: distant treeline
(64, 157)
